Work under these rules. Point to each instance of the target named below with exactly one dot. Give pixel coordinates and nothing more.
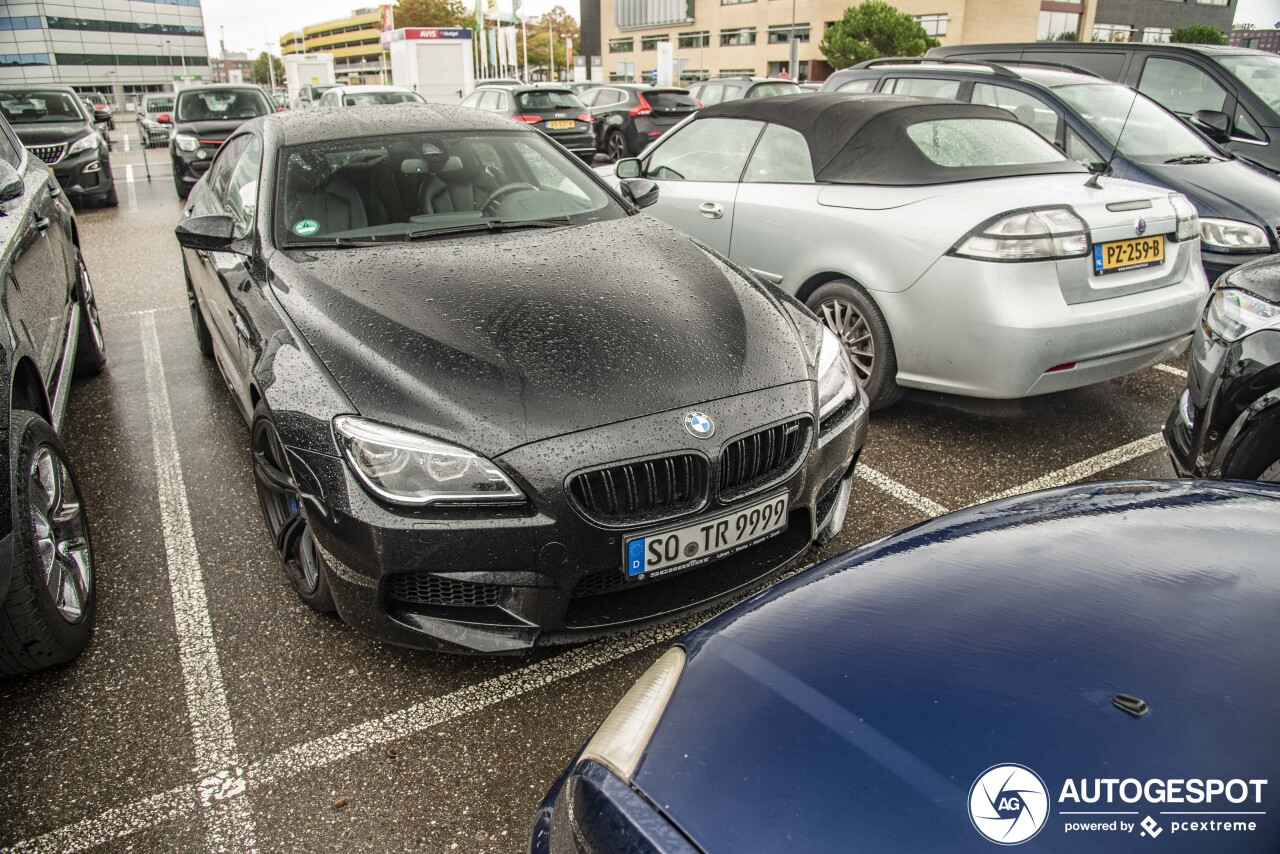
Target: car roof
(1005, 72)
(222, 87)
(963, 50)
(320, 124)
(373, 87)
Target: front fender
(1264, 407)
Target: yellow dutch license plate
(1120, 255)
(560, 125)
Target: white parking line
(114, 823)
(216, 756)
(1170, 369)
(1087, 468)
(900, 491)
(131, 192)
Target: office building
(232, 67)
(1155, 20)
(355, 42)
(120, 47)
(1268, 40)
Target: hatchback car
(1109, 128)
(367, 96)
(204, 117)
(100, 106)
(1227, 422)
(55, 126)
(155, 119)
(1082, 669)
(558, 113)
(628, 116)
(511, 412)
(711, 92)
(950, 247)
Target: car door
(697, 169)
(40, 278)
(608, 111)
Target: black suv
(711, 92)
(557, 112)
(49, 330)
(203, 118)
(56, 126)
(1084, 115)
(1231, 94)
(629, 116)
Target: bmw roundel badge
(699, 425)
(1140, 226)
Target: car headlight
(1233, 314)
(1228, 235)
(836, 385)
(620, 741)
(88, 142)
(185, 143)
(405, 468)
(1034, 235)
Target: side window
(1081, 152)
(504, 103)
(589, 98)
(1246, 128)
(926, 87)
(1028, 109)
(220, 171)
(241, 200)
(711, 94)
(611, 98)
(489, 100)
(866, 84)
(781, 157)
(1180, 87)
(707, 150)
(472, 100)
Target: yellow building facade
(355, 42)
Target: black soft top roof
(862, 139)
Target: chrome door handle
(711, 210)
(42, 222)
(55, 189)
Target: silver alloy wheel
(60, 536)
(617, 147)
(844, 319)
(91, 307)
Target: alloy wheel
(282, 508)
(60, 535)
(617, 147)
(91, 308)
(844, 319)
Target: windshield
(549, 99)
(158, 105)
(1260, 73)
(31, 107)
(219, 105)
(981, 142)
(1150, 133)
(368, 99)
(773, 90)
(390, 188)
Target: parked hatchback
(628, 116)
(155, 118)
(56, 126)
(1230, 93)
(203, 117)
(949, 246)
(368, 96)
(1111, 129)
(558, 113)
(722, 89)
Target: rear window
(549, 99)
(24, 108)
(221, 105)
(369, 99)
(158, 105)
(671, 102)
(773, 90)
(981, 142)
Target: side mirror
(628, 167)
(641, 191)
(164, 119)
(212, 233)
(1214, 123)
(11, 185)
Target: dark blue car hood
(852, 707)
(1230, 189)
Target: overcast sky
(1263, 13)
(248, 25)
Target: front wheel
(285, 515)
(91, 347)
(181, 186)
(615, 146)
(47, 617)
(850, 312)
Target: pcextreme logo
(1010, 804)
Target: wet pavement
(214, 711)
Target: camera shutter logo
(1008, 804)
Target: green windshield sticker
(305, 227)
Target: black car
(50, 332)
(1112, 130)
(1232, 94)
(155, 118)
(100, 107)
(721, 89)
(1227, 422)
(510, 412)
(55, 125)
(202, 118)
(556, 112)
(630, 116)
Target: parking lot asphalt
(214, 711)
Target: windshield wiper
(338, 242)
(1193, 158)
(490, 225)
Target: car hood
(852, 707)
(1231, 189)
(493, 341)
(1260, 278)
(51, 133)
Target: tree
(1198, 34)
(870, 30)
(261, 74)
(434, 13)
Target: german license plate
(705, 539)
(560, 125)
(1133, 254)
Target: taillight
(1031, 235)
(641, 109)
(586, 117)
(528, 119)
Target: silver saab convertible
(950, 247)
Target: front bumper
(1217, 264)
(508, 579)
(190, 166)
(84, 175)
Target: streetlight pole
(551, 44)
(271, 71)
(168, 55)
(795, 48)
